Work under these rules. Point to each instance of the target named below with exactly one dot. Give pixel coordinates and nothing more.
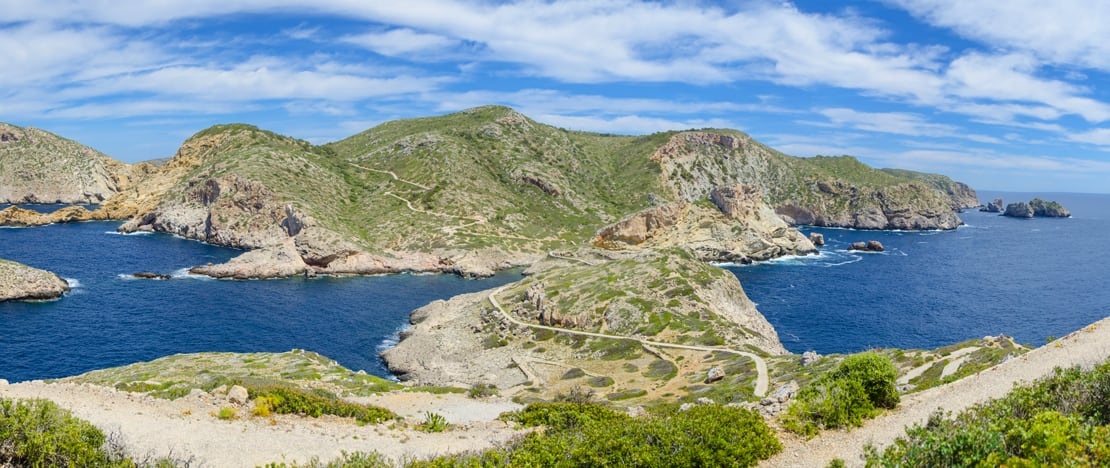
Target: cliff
(37, 166)
(21, 282)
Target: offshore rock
(1048, 209)
(818, 239)
(869, 246)
(1018, 210)
(994, 206)
(21, 282)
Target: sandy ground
(188, 429)
(1085, 347)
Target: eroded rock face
(743, 229)
(21, 282)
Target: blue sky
(1007, 95)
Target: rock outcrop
(1048, 209)
(1018, 210)
(21, 282)
(40, 167)
(742, 229)
(994, 206)
(818, 239)
(869, 246)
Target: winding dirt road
(761, 382)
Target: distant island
(1035, 208)
(20, 282)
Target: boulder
(715, 374)
(150, 275)
(995, 206)
(786, 392)
(818, 239)
(869, 246)
(1018, 210)
(238, 395)
(809, 358)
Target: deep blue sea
(1026, 278)
(110, 319)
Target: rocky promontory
(21, 282)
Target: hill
(488, 188)
(37, 166)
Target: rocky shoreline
(20, 282)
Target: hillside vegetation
(488, 188)
(37, 166)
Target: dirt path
(1085, 347)
(186, 428)
(761, 383)
(394, 176)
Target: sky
(1004, 95)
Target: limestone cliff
(739, 228)
(819, 191)
(37, 166)
(21, 282)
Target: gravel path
(1085, 347)
(187, 429)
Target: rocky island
(1036, 208)
(21, 282)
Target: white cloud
(629, 124)
(402, 42)
(899, 123)
(1061, 31)
(1098, 136)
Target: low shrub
(39, 433)
(482, 390)
(285, 400)
(1062, 420)
(433, 422)
(853, 391)
(227, 413)
(593, 435)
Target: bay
(1028, 278)
(112, 319)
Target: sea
(1029, 279)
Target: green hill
(37, 166)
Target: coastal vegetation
(857, 389)
(1060, 420)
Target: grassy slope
(40, 158)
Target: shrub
(285, 400)
(482, 390)
(433, 422)
(39, 433)
(227, 413)
(845, 396)
(592, 435)
(1062, 420)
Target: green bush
(1062, 420)
(592, 435)
(38, 433)
(433, 422)
(845, 396)
(285, 400)
(482, 390)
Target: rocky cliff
(819, 191)
(21, 282)
(37, 166)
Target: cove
(110, 319)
